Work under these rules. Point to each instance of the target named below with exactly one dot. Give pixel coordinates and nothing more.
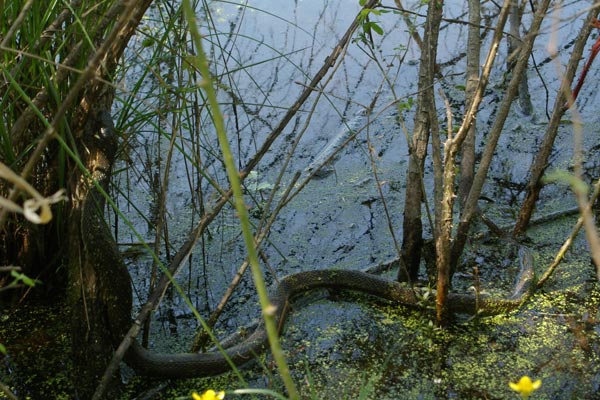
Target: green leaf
(23, 278)
(28, 281)
(406, 105)
(147, 42)
(376, 28)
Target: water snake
(116, 279)
(199, 364)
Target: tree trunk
(412, 240)
(541, 159)
(444, 219)
(99, 292)
(467, 163)
(470, 208)
(99, 286)
(514, 43)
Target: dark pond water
(264, 54)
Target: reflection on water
(264, 53)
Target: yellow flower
(525, 386)
(209, 395)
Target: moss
(39, 350)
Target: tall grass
(268, 312)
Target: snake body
(115, 281)
(187, 365)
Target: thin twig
(10, 395)
(201, 339)
(9, 268)
(379, 184)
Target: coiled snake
(184, 365)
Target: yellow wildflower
(525, 386)
(209, 395)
